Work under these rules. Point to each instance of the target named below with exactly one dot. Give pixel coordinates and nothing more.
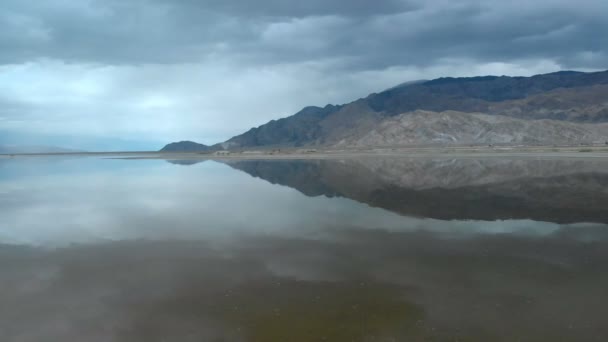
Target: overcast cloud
(145, 72)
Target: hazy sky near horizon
(136, 74)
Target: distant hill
(185, 146)
(17, 149)
(569, 103)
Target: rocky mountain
(185, 146)
(480, 94)
(451, 111)
(299, 129)
(450, 127)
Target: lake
(368, 249)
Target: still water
(314, 250)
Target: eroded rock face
(450, 127)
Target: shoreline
(404, 152)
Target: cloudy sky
(136, 74)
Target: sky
(137, 74)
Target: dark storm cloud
(166, 70)
(282, 8)
(362, 34)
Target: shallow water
(338, 250)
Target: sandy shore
(427, 152)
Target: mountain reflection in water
(364, 250)
(560, 191)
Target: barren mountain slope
(583, 104)
(457, 128)
(566, 96)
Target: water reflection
(150, 251)
(562, 191)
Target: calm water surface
(317, 250)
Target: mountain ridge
(32, 149)
(564, 96)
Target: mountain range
(27, 149)
(565, 107)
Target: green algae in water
(303, 311)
